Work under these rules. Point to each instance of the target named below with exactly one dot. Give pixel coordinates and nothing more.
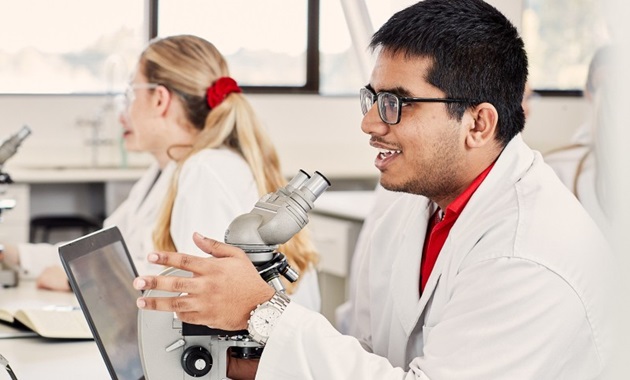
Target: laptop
(101, 272)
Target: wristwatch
(264, 317)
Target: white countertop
(40, 358)
(74, 174)
(354, 205)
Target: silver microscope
(171, 349)
(8, 276)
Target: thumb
(216, 248)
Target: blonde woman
(185, 99)
(185, 110)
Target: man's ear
(484, 126)
(162, 99)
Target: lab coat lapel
(146, 204)
(406, 268)
(156, 195)
(458, 242)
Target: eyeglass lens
(388, 107)
(388, 104)
(130, 95)
(130, 91)
(367, 100)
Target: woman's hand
(9, 254)
(53, 278)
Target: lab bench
(41, 358)
(93, 192)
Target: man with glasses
(491, 271)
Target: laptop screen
(101, 272)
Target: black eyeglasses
(390, 105)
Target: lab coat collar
(511, 165)
(406, 267)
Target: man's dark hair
(476, 53)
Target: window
(561, 36)
(278, 45)
(345, 65)
(271, 45)
(265, 42)
(69, 46)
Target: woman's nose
(123, 118)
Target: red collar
(437, 231)
(455, 208)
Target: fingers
(173, 284)
(180, 304)
(216, 248)
(178, 260)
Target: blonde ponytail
(231, 122)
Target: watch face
(263, 320)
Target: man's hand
(53, 278)
(222, 292)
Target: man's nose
(372, 123)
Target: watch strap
(280, 300)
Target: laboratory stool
(49, 223)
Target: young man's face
(425, 152)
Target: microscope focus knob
(196, 361)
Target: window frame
(311, 84)
(546, 93)
(550, 91)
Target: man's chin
(388, 185)
(399, 187)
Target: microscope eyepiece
(317, 184)
(297, 181)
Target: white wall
(311, 132)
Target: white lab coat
(576, 166)
(520, 290)
(135, 218)
(137, 215)
(582, 166)
(214, 187)
(383, 200)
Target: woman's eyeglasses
(130, 91)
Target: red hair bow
(221, 88)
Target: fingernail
(141, 303)
(200, 236)
(153, 257)
(139, 283)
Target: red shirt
(438, 230)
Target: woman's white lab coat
(214, 187)
(135, 217)
(519, 291)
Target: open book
(63, 322)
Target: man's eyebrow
(400, 91)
